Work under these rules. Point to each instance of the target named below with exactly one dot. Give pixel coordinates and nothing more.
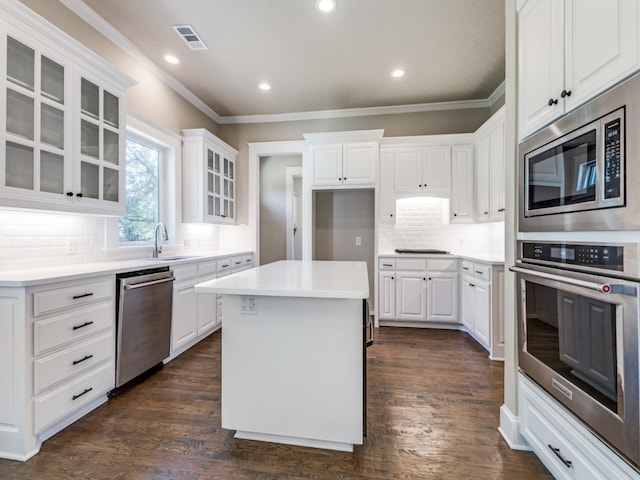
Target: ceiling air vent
(191, 38)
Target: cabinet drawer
(52, 300)
(247, 260)
(417, 264)
(207, 268)
(75, 325)
(467, 268)
(442, 265)
(387, 264)
(73, 396)
(224, 265)
(54, 368)
(482, 272)
(185, 273)
(236, 263)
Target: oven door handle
(599, 287)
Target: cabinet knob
(424, 278)
(79, 195)
(565, 93)
(486, 213)
(455, 214)
(420, 185)
(69, 194)
(392, 278)
(391, 214)
(552, 102)
(345, 179)
(340, 179)
(223, 215)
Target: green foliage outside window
(143, 193)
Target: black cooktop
(421, 250)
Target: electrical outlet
(358, 240)
(248, 306)
(71, 249)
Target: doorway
(280, 208)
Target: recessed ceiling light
(171, 59)
(397, 73)
(326, 5)
(264, 86)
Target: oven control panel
(608, 257)
(612, 159)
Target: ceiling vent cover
(190, 37)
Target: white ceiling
(452, 51)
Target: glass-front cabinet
(62, 124)
(209, 178)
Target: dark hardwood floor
(434, 400)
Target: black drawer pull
(86, 357)
(225, 266)
(556, 451)
(479, 272)
(85, 324)
(472, 285)
(387, 265)
(76, 297)
(86, 390)
(465, 268)
(238, 263)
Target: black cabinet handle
(479, 272)
(392, 278)
(420, 185)
(552, 102)
(565, 93)
(455, 214)
(79, 195)
(465, 268)
(391, 214)
(76, 297)
(486, 213)
(84, 359)
(85, 324)
(472, 285)
(556, 451)
(86, 390)
(69, 194)
(223, 215)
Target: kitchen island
(293, 352)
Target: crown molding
(105, 28)
(89, 15)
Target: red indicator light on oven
(606, 288)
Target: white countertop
(296, 279)
(37, 276)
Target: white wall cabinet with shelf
(569, 52)
(343, 159)
(63, 132)
(490, 186)
(462, 208)
(209, 178)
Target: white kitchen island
(293, 352)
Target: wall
(273, 206)
(424, 223)
(340, 216)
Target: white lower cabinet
(417, 291)
(57, 358)
(481, 305)
(196, 315)
(567, 448)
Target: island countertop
(288, 278)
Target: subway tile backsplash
(423, 223)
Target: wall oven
(582, 172)
(578, 332)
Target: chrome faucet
(157, 249)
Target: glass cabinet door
(100, 169)
(229, 188)
(36, 122)
(213, 184)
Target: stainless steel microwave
(582, 173)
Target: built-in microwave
(583, 171)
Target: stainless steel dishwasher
(143, 328)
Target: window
(143, 180)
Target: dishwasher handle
(148, 284)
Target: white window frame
(170, 148)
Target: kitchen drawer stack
(73, 349)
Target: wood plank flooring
(434, 400)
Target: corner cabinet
(63, 131)
(208, 178)
(569, 52)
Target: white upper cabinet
(387, 196)
(423, 170)
(344, 159)
(63, 127)
(569, 51)
(462, 184)
(208, 178)
(490, 173)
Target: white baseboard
(510, 430)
